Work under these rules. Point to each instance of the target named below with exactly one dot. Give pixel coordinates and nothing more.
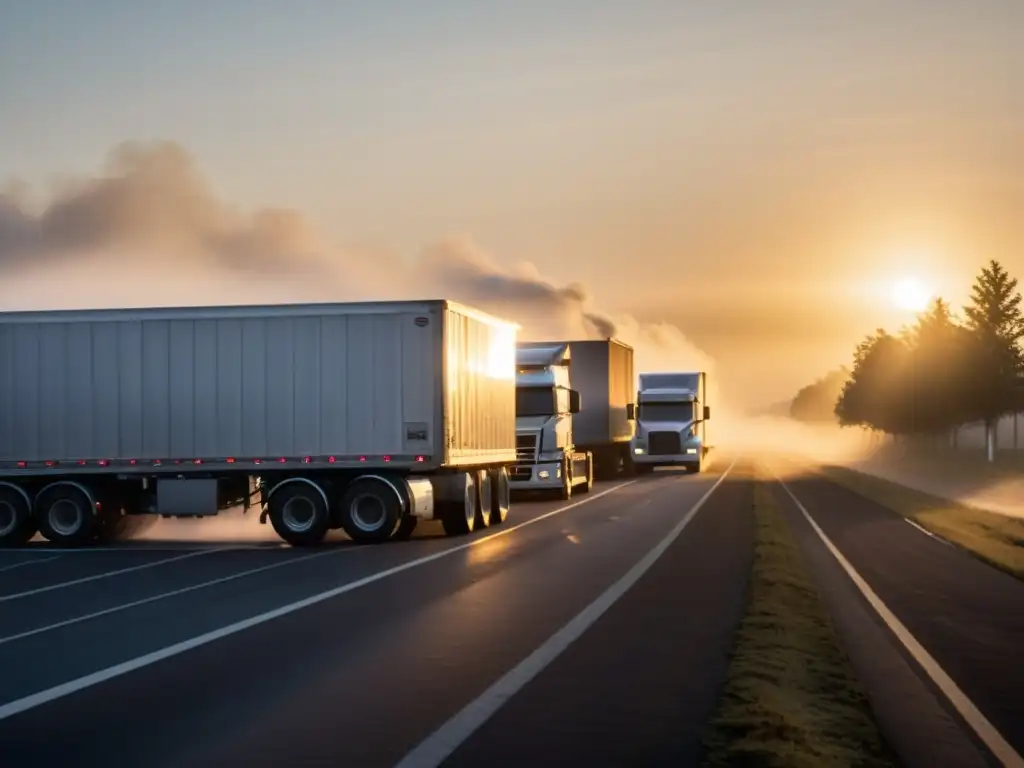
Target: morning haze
(759, 179)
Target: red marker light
(282, 460)
(362, 458)
(229, 460)
(387, 458)
(22, 464)
(158, 463)
(330, 460)
(421, 459)
(307, 459)
(49, 463)
(133, 462)
(81, 462)
(104, 462)
(256, 461)
(197, 461)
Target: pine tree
(873, 396)
(996, 325)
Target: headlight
(691, 451)
(638, 451)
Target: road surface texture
(220, 654)
(965, 615)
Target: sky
(756, 175)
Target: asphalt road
(546, 641)
(968, 616)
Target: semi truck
(671, 421)
(365, 417)
(573, 413)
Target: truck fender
(20, 491)
(78, 486)
(390, 484)
(306, 480)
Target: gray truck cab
(671, 421)
(546, 458)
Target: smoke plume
(148, 230)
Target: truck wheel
(500, 495)
(65, 515)
(17, 526)
(565, 493)
(406, 528)
(485, 498)
(589, 482)
(371, 511)
(460, 518)
(299, 514)
(643, 469)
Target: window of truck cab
(678, 411)
(535, 401)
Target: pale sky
(754, 172)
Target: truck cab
(546, 458)
(671, 421)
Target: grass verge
(791, 697)
(994, 538)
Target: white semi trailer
(672, 417)
(365, 416)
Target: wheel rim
(298, 514)
(486, 499)
(8, 518)
(367, 512)
(65, 517)
(504, 496)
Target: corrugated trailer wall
(236, 385)
(622, 389)
(480, 401)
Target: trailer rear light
(158, 463)
(22, 464)
(362, 458)
(256, 461)
(307, 459)
(133, 462)
(421, 459)
(104, 462)
(51, 463)
(197, 461)
(282, 460)
(82, 462)
(330, 459)
(387, 458)
(229, 460)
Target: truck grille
(664, 443)
(526, 448)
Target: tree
(872, 396)
(996, 326)
(816, 402)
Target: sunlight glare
(911, 294)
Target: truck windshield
(666, 412)
(535, 401)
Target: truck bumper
(543, 476)
(668, 460)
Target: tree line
(937, 374)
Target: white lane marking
(64, 689)
(437, 747)
(28, 562)
(967, 709)
(926, 532)
(172, 593)
(108, 574)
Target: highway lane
(358, 678)
(967, 615)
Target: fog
(148, 230)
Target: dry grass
(994, 538)
(791, 698)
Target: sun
(911, 294)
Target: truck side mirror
(707, 412)
(574, 401)
(630, 412)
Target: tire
(459, 518)
(406, 528)
(17, 525)
(299, 514)
(565, 492)
(485, 499)
(371, 511)
(500, 495)
(66, 516)
(589, 482)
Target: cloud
(150, 230)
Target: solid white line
(172, 593)
(28, 562)
(926, 532)
(967, 709)
(437, 747)
(64, 689)
(107, 574)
